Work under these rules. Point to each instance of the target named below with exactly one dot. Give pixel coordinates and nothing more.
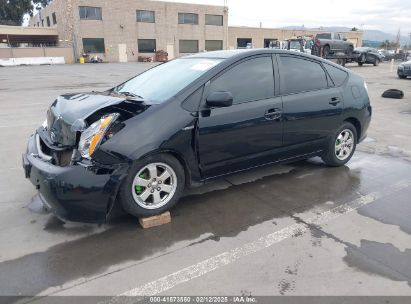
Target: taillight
(318, 42)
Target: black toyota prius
(182, 123)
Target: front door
(248, 132)
(122, 53)
(311, 106)
(170, 51)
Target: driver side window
(249, 80)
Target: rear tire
(153, 185)
(341, 146)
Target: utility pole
(398, 41)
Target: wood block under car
(154, 221)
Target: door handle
(335, 101)
(272, 114)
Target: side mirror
(219, 99)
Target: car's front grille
(59, 158)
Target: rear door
(312, 105)
(248, 132)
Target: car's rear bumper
(80, 192)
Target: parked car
(368, 55)
(188, 121)
(404, 70)
(388, 56)
(332, 43)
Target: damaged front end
(76, 180)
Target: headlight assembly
(91, 137)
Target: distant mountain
(372, 35)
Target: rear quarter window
(337, 75)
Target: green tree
(354, 29)
(13, 11)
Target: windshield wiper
(129, 94)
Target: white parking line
(197, 270)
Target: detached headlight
(91, 137)
(400, 67)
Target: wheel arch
(357, 124)
(180, 158)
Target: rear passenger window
(337, 75)
(300, 75)
(248, 81)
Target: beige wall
(259, 34)
(119, 25)
(67, 53)
(65, 20)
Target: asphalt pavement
(296, 229)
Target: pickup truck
(332, 43)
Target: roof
(23, 34)
(242, 53)
(234, 55)
(27, 31)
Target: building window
(93, 45)
(214, 20)
(54, 18)
(146, 16)
(188, 46)
(146, 45)
(213, 45)
(38, 23)
(48, 21)
(187, 18)
(42, 22)
(90, 13)
(244, 43)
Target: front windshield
(166, 80)
(295, 45)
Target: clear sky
(384, 15)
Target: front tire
(326, 51)
(341, 146)
(153, 185)
(376, 62)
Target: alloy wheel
(154, 186)
(344, 144)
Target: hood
(68, 114)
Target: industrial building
(122, 31)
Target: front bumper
(81, 192)
(404, 72)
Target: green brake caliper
(139, 189)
